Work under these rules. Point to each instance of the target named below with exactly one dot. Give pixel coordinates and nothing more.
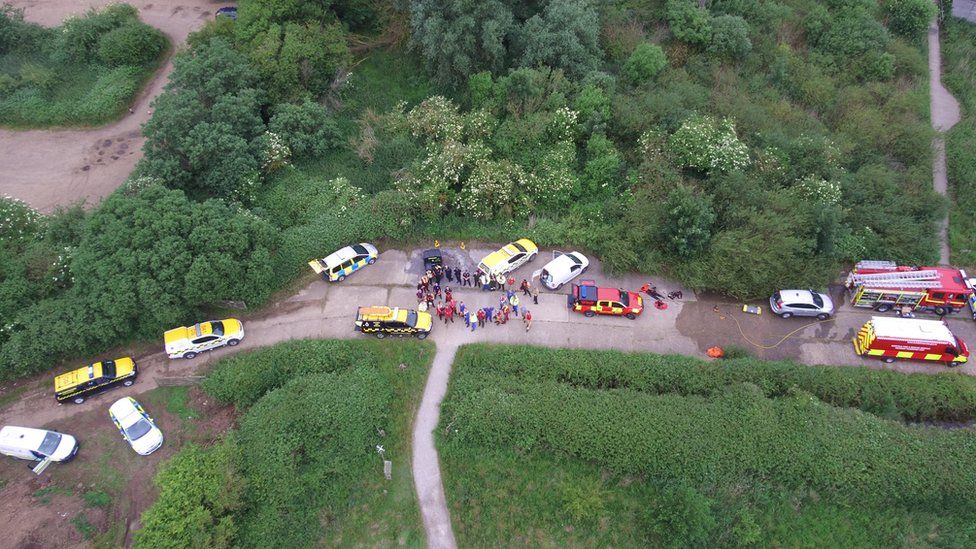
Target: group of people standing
(440, 300)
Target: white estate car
(563, 268)
(137, 428)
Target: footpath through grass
(85, 72)
(553, 448)
(303, 467)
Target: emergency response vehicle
(37, 444)
(136, 426)
(339, 264)
(384, 321)
(77, 385)
(910, 338)
(884, 285)
(510, 257)
(591, 300)
(189, 341)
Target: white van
(37, 444)
(563, 268)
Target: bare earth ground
(51, 168)
(321, 310)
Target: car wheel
(233, 342)
(560, 285)
(380, 335)
(341, 278)
(941, 311)
(189, 355)
(785, 315)
(588, 314)
(422, 335)
(954, 364)
(78, 400)
(883, 308)
(823, 316)
(888, 359)
(532, 257)
(631, 316)
(371, 260)
(128, 383)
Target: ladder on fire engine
(871, 264)
(899, 279)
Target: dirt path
(426, 464)
(945, 115)
(51, 168)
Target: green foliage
(688, 220)
(644, 63)
(565, 35)
(459, 38)
(133, 43)
(303, 446)
(307, 128)
(708, 145)
(730, 37)
(910, 18)
(199, 492)
(917, 397)
(602, 171)
(688, 22)
(299, 58)
(87, 71)
(313, 414)
(959, 75)
(203, 135)
(96, 498)
(146, 261)
(695, 454)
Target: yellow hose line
(784, 338)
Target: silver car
(787, 303)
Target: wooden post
(388, 469)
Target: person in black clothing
(438, 273)
(466, 278)
(448, 272)
(457, 274)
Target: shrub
(645, 63)
(687, 223)
(80, 36)
(199, 492)
(708, 145)
(133, 43)
(564, 36)
(909, 18)
(730, 37)
(688, 22)
(306, 128)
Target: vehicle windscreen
(818, 301)
(108, 369)
(624, 298)
(545, 276)
(217, 327)
(138, 429)
(50, 443)
(519, 247)
(412, 319)
(777, 297)
(359, 249)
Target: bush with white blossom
(275, 153)
(819, 190)
(709, 145)
(18, 221)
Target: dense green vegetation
(600, 448)
(959, 76)
(738, 148)
(302, 468)
(86, 71)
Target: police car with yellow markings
(338, 265)
(189, 341)
(77, 385)
(384, 321)
(510, 257)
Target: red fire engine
(909, 338)
(590, 300)
(883, 285)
